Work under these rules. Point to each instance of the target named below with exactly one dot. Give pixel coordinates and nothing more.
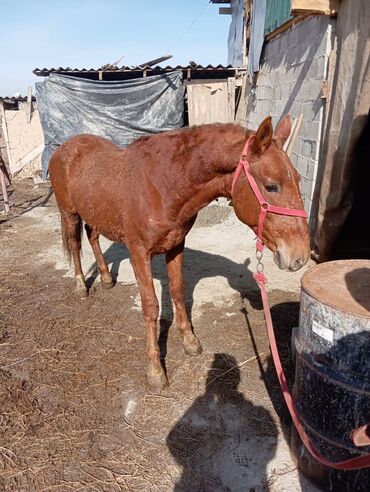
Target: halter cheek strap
(264, 205)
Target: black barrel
(332, 378)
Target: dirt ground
(75, 412)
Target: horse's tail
(72, 229)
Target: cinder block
(296, 108)
(314, 89)
(293, 37)
(280, 107)
(277, 92)
(321, 67)
(307, 111)
(306, 150)
(312, 130)
(294, 160)
(312, 71)
(303, 31)
(285, 92)
(311, 167)
(302, 166)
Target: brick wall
(293, 68)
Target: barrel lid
(343, 285)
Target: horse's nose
(296, 264)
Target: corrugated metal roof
(194, 68)
(15, 99)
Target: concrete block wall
(293, 68)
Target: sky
(91, 33)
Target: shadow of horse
(197, 266)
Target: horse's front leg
(141, 262)
(174, 260)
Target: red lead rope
(353, 463)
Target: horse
(147, 196)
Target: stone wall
(294, 66)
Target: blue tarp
(118, 110)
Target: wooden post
(294, 135)
(29, 104)
(6, 137)
(231, 98)
(3, 187)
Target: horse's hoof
(157, 381)
(106, 280)
(107, 285)
(192, 347)
(81, 289)
(82, 293)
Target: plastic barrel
(332, 377)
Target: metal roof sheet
(44, 72)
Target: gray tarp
(347, 116)
(257, 36)
(118, 110)
(235, 40)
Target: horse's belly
(105, 220)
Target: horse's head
(287, 237)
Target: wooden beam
(21, 163)
(29, 104)
(225, 10)
(3, 187)
(323, 7)
(6, 136)
(220, 1)
(287, 25)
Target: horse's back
(79, 148)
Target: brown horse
(148, 197)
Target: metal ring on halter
(260, 266)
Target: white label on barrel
(322, 331)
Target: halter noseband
(265, 206)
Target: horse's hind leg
(105, 276)
(72, 227)
(174, 259)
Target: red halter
(265, 206)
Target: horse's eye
(272, 188)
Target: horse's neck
(210, 167)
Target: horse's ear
(283, 129)
(262, 138)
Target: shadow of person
(223, 442)
(285, 317)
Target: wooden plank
(21, 163)
(29, 104)
(209, 103)
(225, 10)
(3, 189)
(231, 98)
(6, 136)
(323, 7)
(286, 26)
(294, 135)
